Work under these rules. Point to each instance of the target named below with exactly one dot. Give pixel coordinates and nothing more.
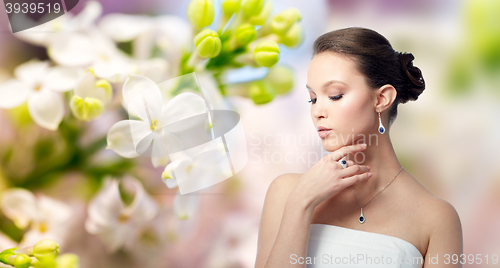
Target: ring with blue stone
(343, 162)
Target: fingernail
(368, 167)
(369, 174)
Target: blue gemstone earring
(381, 128)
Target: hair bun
(414, 82)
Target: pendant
(381, 127)
(361, 217)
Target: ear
(384, 97)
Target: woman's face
(341, 101)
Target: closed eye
(331, 98)
(336, 97)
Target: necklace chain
(378, 192)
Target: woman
(367, 211)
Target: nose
(318, 110)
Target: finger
(349, 181)
(353, 170)
(349, 163)
(338, 154)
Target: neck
(380, 156)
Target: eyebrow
(328, 83)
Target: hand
(327, 177)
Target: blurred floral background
(67, 174)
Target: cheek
(355, 113)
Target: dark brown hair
(377, 61)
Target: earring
(381, 128)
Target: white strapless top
(335, 246)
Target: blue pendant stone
(343, 162)
(381, 129)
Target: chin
(331, 145)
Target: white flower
(75, 41)
(49, 218)
(124, 27)
(144, 99)
(171, 34)
(39, 85)
(90, 96)
(203, 170)
(155, 68)
(115, 222)
(174, 34)
(92, 48)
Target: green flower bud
(283, 21)
(261, 92)
(68, 261)
(281, 78)
(267, 53)
(44, 264)
(22, 261)
(201, 13)
(87, 109)
(263, 16)
(245, 34)
(46, 249)
(252, 7)
(294, 36)
(4, 256)
(208, 44)
(229, 7)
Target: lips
(323, 131)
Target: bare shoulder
(435, 212)
(272, 212)
(434, 209)
(282, 185)
(443, 227)
(278, 192)
(441, 214)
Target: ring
(343, 162)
